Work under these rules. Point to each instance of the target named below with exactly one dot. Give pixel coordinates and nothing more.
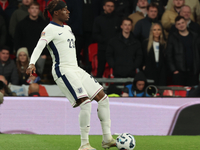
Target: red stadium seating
(92, 52)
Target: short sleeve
(47, 34)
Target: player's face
(126, 26)
(186, 13)
(63, 14)
(142, 3)
(109, 7)
(34, 10)
(178, 3)
(22, 57)
(27, 2)
(157, 31)
(181, 25)
(4, 55)
(152, 12)
(140, 85)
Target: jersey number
(71, 43)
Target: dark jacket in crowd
(105, 27)
(7, 13)
(3, 32)
(122, 8)
(153, 70)
(192, 26)
(9, 71)
(82, 14)
(175, 53)
(23, 79)
(124, 55)
(142, 28)
(28, 33)
(75, 21)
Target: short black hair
(154, 5)
(5, 48)
(34, 3)
(126, 18)
(178, 18)
(105, 1)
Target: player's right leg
(84, 122)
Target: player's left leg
(95, 91)
(104, 117)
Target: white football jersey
(61, 45)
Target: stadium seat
(92, 52)
(179, 93)
(167, 93)
(12, 56)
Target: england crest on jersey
(80, 90)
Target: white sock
(104, 116)
(84, 121)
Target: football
(125, 141)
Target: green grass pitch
(72, 142)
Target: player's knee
(99, 96)
(104, 100)
(86, 104)
(82, 101)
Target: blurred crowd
(159, 38)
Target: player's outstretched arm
(34, 57)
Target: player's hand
(31, 69)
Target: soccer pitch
(72, 142)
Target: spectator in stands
(122, 8)
(168, 18)
(43, 4)
(154, 62)
(160, 3)
(137, 88)
(7, 7)
(22, 62)
(28, 31)
(81, 21)
(8, 67)
(182, 54)
(186, 13)
(4, 89)
(142, 27)
(3, 33)
(19, 15)
(140, 13)
(33, 90)
(194, 5)
(124, 52)
(105, 27)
